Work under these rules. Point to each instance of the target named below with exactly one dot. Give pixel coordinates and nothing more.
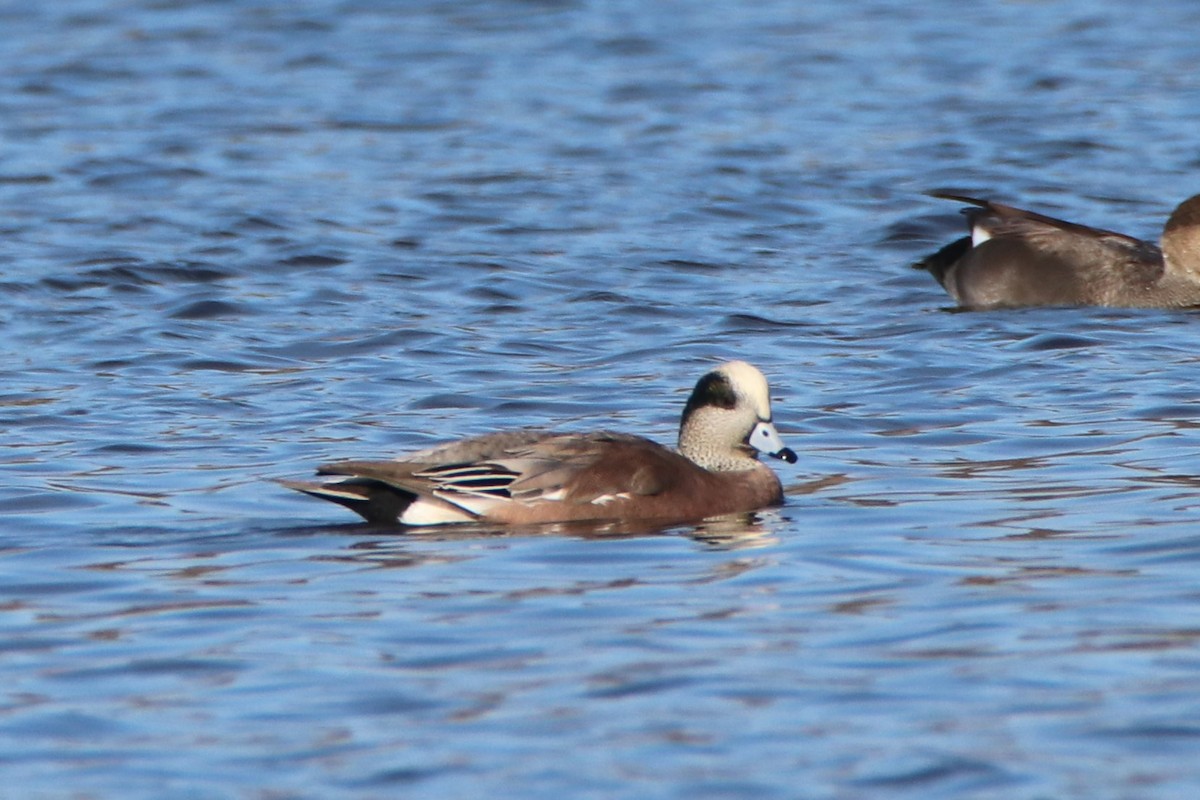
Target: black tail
(937, 264)
(374, 501)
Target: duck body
(1015, 258)
(530, 476)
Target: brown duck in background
(1016, 258)
(529, 477)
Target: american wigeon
(528, 476)
(1019, 258)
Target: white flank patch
(424, 512)
(979, 235)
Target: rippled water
(240, 238)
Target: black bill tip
(787, 454)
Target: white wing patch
(475, 480)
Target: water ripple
(242, 239)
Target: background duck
(1015, 258)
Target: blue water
(238, 239)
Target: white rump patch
(979, 235)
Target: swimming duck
(529, 476)
(1017, 258)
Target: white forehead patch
(750, 386)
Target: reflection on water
(729, 532)
(243, 238)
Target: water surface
(242, 238)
